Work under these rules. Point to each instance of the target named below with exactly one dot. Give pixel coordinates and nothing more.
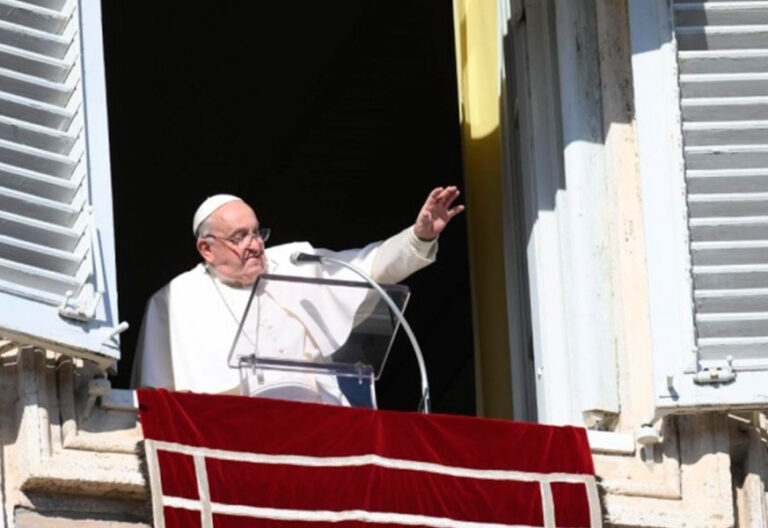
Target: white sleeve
(401, 255)
(152, 365)
(389, 261)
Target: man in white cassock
(189, 324)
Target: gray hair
(205, 228)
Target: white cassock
(189, 325)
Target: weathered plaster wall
(64, 458)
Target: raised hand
(437, 212)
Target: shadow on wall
(544, 117)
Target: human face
(238, 264)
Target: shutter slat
(724, 109)
(727, 204)
(730, 276)
(726, 199)
(727, 181)
(37, 159)
(36, 207)
(722, 37)
(34, 16)
(30, 63)
(724, 85)
(43, 233)
(729, 228)
(34, 183)
(742, 348)
(732, 301)
(31, 293)
(54, 46)
(36, 112)
(719, 132)
(747, 353)
(729, 253)
(40, 256)
(726, 157)
(36, 279)
(723, 61)
(722, 13)
(44, 138)
(683, 2)
(35, 88)
(748, 324)
(50, 4)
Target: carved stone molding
(689, 485)
(60, 451)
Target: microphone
(303, 258)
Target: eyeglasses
(244, 240)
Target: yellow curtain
(477, 59)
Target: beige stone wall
(65, 460)
(709, 471)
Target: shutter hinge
(724, 374)
(71, 309)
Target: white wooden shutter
(57, 271)
(722, 57)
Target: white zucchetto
(209, 206)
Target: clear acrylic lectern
(316, 340)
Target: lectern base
(296, 391)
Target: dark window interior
(332, 119)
